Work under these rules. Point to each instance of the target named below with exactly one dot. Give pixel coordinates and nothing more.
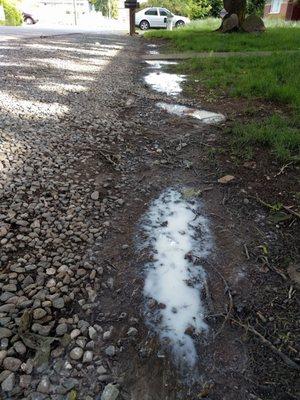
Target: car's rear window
(152, 11)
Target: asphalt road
(36, 31)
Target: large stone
(110, 392)
(253, 23)
(230, 23)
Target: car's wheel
(144, 25)
(179, 24)
(29, 21)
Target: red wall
(288, 10)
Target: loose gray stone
(44, 385)
(39, 313)
(8, 384)
(12, 363)
(95, 195)
(58, 303)
(87, 357)
(132, 331)
(110, 351)
(25, 381)
(76, 353)
(61, 329)
(110, 392)
(5, 333)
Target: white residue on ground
(206, 117)
(174, 228)
(160, 63)
(164, 82)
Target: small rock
(44, 385)
(110, 392)
(20, 348)
(75, 333)
(132, 331)
(87, 357)
(5, 333)
(92, 333)
(58, 303)
(95, 195)
(9, 383)
(61, 329)
(39, 313)
(101, 370)
(110, 351)
(25, 381)
(12, 363)
(76, 353)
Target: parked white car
(156, 17)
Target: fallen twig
(288, 361)
(288, 209)
(283, 168)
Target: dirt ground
(129, 151)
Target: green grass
(281, 135)
(275, 77)
(200, 36)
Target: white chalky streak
(206, 117)
(175, 228)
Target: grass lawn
(273, 78)
(200, 36)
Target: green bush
(13, 16)
(190, 8)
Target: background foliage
(13, 15)
(202, 8)
(189, 8)
(107, 7)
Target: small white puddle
(164, 82)
(207, 117)
(160, 64)
(174, 228)
(153, 52)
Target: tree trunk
(236, 14)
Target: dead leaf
(226, 179)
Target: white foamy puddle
(159, 64)
(174, 228)
(207, 117)
(164, 82)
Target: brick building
(286, 9)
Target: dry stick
(283, 168)
(288, 209)
(283, 356)
(227, 290)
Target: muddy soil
(248, 283)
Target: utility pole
(75, 12)
(109, 9)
